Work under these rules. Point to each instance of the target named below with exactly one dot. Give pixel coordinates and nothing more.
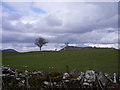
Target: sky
(79, 23)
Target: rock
(66, 76)
(80, 76)
(102, 78)
(75, 73)
(90, 75)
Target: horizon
(59, 49)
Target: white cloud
(102, 45)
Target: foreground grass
(105, 60)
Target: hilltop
(8, 50)
(81, 48)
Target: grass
(105, 60)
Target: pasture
(105, 60)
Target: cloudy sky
(80, 23)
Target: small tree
(66, 44)
(40, 42)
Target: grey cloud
(53, 21)
(15, 37)
(18, 27)
(14, 16)
(95, 36)
(88, 25)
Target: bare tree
(40, 42)
(66, 44)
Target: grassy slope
(105, 60)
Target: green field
(105, 60)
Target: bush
(55, 76)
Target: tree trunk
(40, 48)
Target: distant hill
(9, 50)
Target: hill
(9, 50)
(81, 48)
(105, 60)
